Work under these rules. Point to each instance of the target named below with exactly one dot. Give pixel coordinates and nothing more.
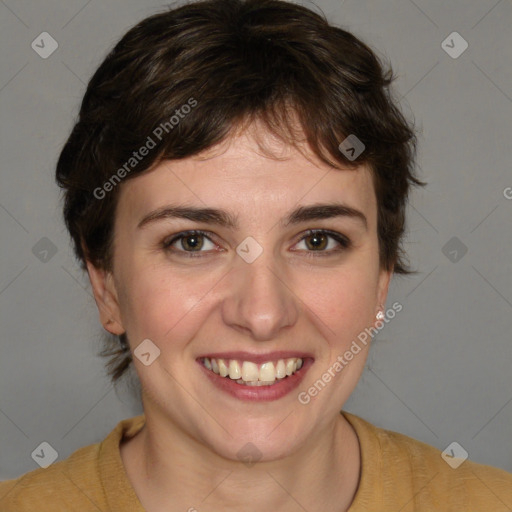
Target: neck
(170, 470)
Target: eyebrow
(226, 219)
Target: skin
(186, 455)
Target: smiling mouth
(251, 374)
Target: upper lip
(258, 358)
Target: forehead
(252, 172)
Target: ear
(383, 286)
(105, 295)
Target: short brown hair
(238, 60)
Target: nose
(260, 301)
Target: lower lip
(258, 393)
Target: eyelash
(341, 239)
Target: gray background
(439, 372)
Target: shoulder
(71, 484)
(419, 476)
(58, 485)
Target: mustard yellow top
(398, 473)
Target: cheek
(343, 300)
(159, 304)
(162, 303)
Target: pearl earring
(380, 315)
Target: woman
(235, 187)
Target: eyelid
(339, 237)
(344, 241)
(183, 234)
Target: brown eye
(192, 242)
(189, 242)
(317, 241)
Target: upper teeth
(251, 372)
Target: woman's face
(260, 291)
